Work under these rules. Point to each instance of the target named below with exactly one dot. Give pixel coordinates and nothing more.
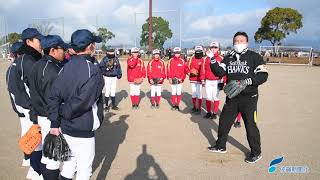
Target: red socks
(153, 99)
(178, 99)
(132, 99)
(208, 105)
(239, 117)
(216, 106)
(136, 99)
(174, 100)
(158, 99)
(194, 101)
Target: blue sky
(203, 20)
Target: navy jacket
(75, 103)
(111, 69)
(43, 74)
(18, 79)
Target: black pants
(247, 106)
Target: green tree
(160, 32)
(14, 37)
(106, 35)
(277, 24)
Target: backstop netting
(290, 55)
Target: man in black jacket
(18, 87)
(75, 106)
(245, 71)
(43, 74)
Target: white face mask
(240, 47)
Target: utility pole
(150, 25)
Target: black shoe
(207, 116)
(253, 158)
(177, 108)
(173, 107)
(198, 111)
(237, 124)
(157, 106)
(214, 116)
(193, 110)
(107, 108)
(115, 108)
(217, 150)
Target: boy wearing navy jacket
(43, 74)
(111, 70)
(75, 106)
(18, 77)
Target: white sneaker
(26, 163)
(30, 173)
(36, 176)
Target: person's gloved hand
(234, 87)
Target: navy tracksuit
(75, 104)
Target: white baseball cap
(177, 50)
(214, 44)
(198, 48)
(135, 50)
(156, 51)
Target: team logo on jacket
(238, 67)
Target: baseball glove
(56, 147)
(234, 87)
(156, 80)
(194, 72)
(175, 81)
(110, 64)
(29, 142)
(138, 80)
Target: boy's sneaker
(216, 149)
(115, 108)
(26, 162)
(177, 108)
(207, 116)
(194, 110)
(157, 106)
(237, 124)
(214, 116)
(253, 158)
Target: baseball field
(163, 144)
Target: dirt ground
(165, 144)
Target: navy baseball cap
(82, 38)
(15, 47)
(53, 41)
(30, 33)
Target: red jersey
(135, 69)
(156, 69)
(176, 68)
(207, 74)
(196, 64)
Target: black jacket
(43, 74)
(111, 67)
(75, 103)
(242, 66)
(18, 78)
